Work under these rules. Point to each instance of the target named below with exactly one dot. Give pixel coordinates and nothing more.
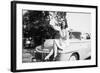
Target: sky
(79, 21)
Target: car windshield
(75, 35)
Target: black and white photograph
(50, 36)
(56, 36)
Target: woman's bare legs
(54, 50)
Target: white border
(21, 65)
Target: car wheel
(73, 57)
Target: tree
(36, 25)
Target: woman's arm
(67, 32)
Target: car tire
(74, 57)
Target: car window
(75, 35)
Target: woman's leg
(55, 49)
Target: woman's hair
(62, 21)
(65, 26)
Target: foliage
(36, 25)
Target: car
(78, 49)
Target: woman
(59, 45)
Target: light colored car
(78, 49)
